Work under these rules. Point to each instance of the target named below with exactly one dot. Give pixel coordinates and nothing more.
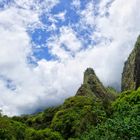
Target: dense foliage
(76, 115)
(124, 124)
(11, 130)
(79, 118)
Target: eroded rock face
(131, 71)
(91, 85)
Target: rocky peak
(131, 71)
(87, 74)
(91, 85)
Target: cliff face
(91, 85)
(131, 71)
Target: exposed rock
(131, 71)
(91, 85)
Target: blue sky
(46, 45)
(40, 36)
(71, 11)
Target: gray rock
(131, 71)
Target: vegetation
(95, 113)
(92, 86)
(11, 130)
(79, 118)
(124, 123)
(76, 115)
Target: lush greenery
(79, 118)
(123, 124)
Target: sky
(46, 45)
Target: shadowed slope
(131, 71)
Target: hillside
(131, 71)
(94, 113)
(79, 118)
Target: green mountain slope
(91, 85)
(79, 118)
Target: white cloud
(15, 48)
(76, 3)
(121, 26)
(65, 45)
(25, 88)
(87, 15)
(61, 15)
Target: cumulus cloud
(65, 45)
(19, 84)
(112, 28)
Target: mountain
(93, 87)
(94, 113)
(131, 71)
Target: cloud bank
(98, 34)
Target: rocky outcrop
(131, 71)
(91, 85)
